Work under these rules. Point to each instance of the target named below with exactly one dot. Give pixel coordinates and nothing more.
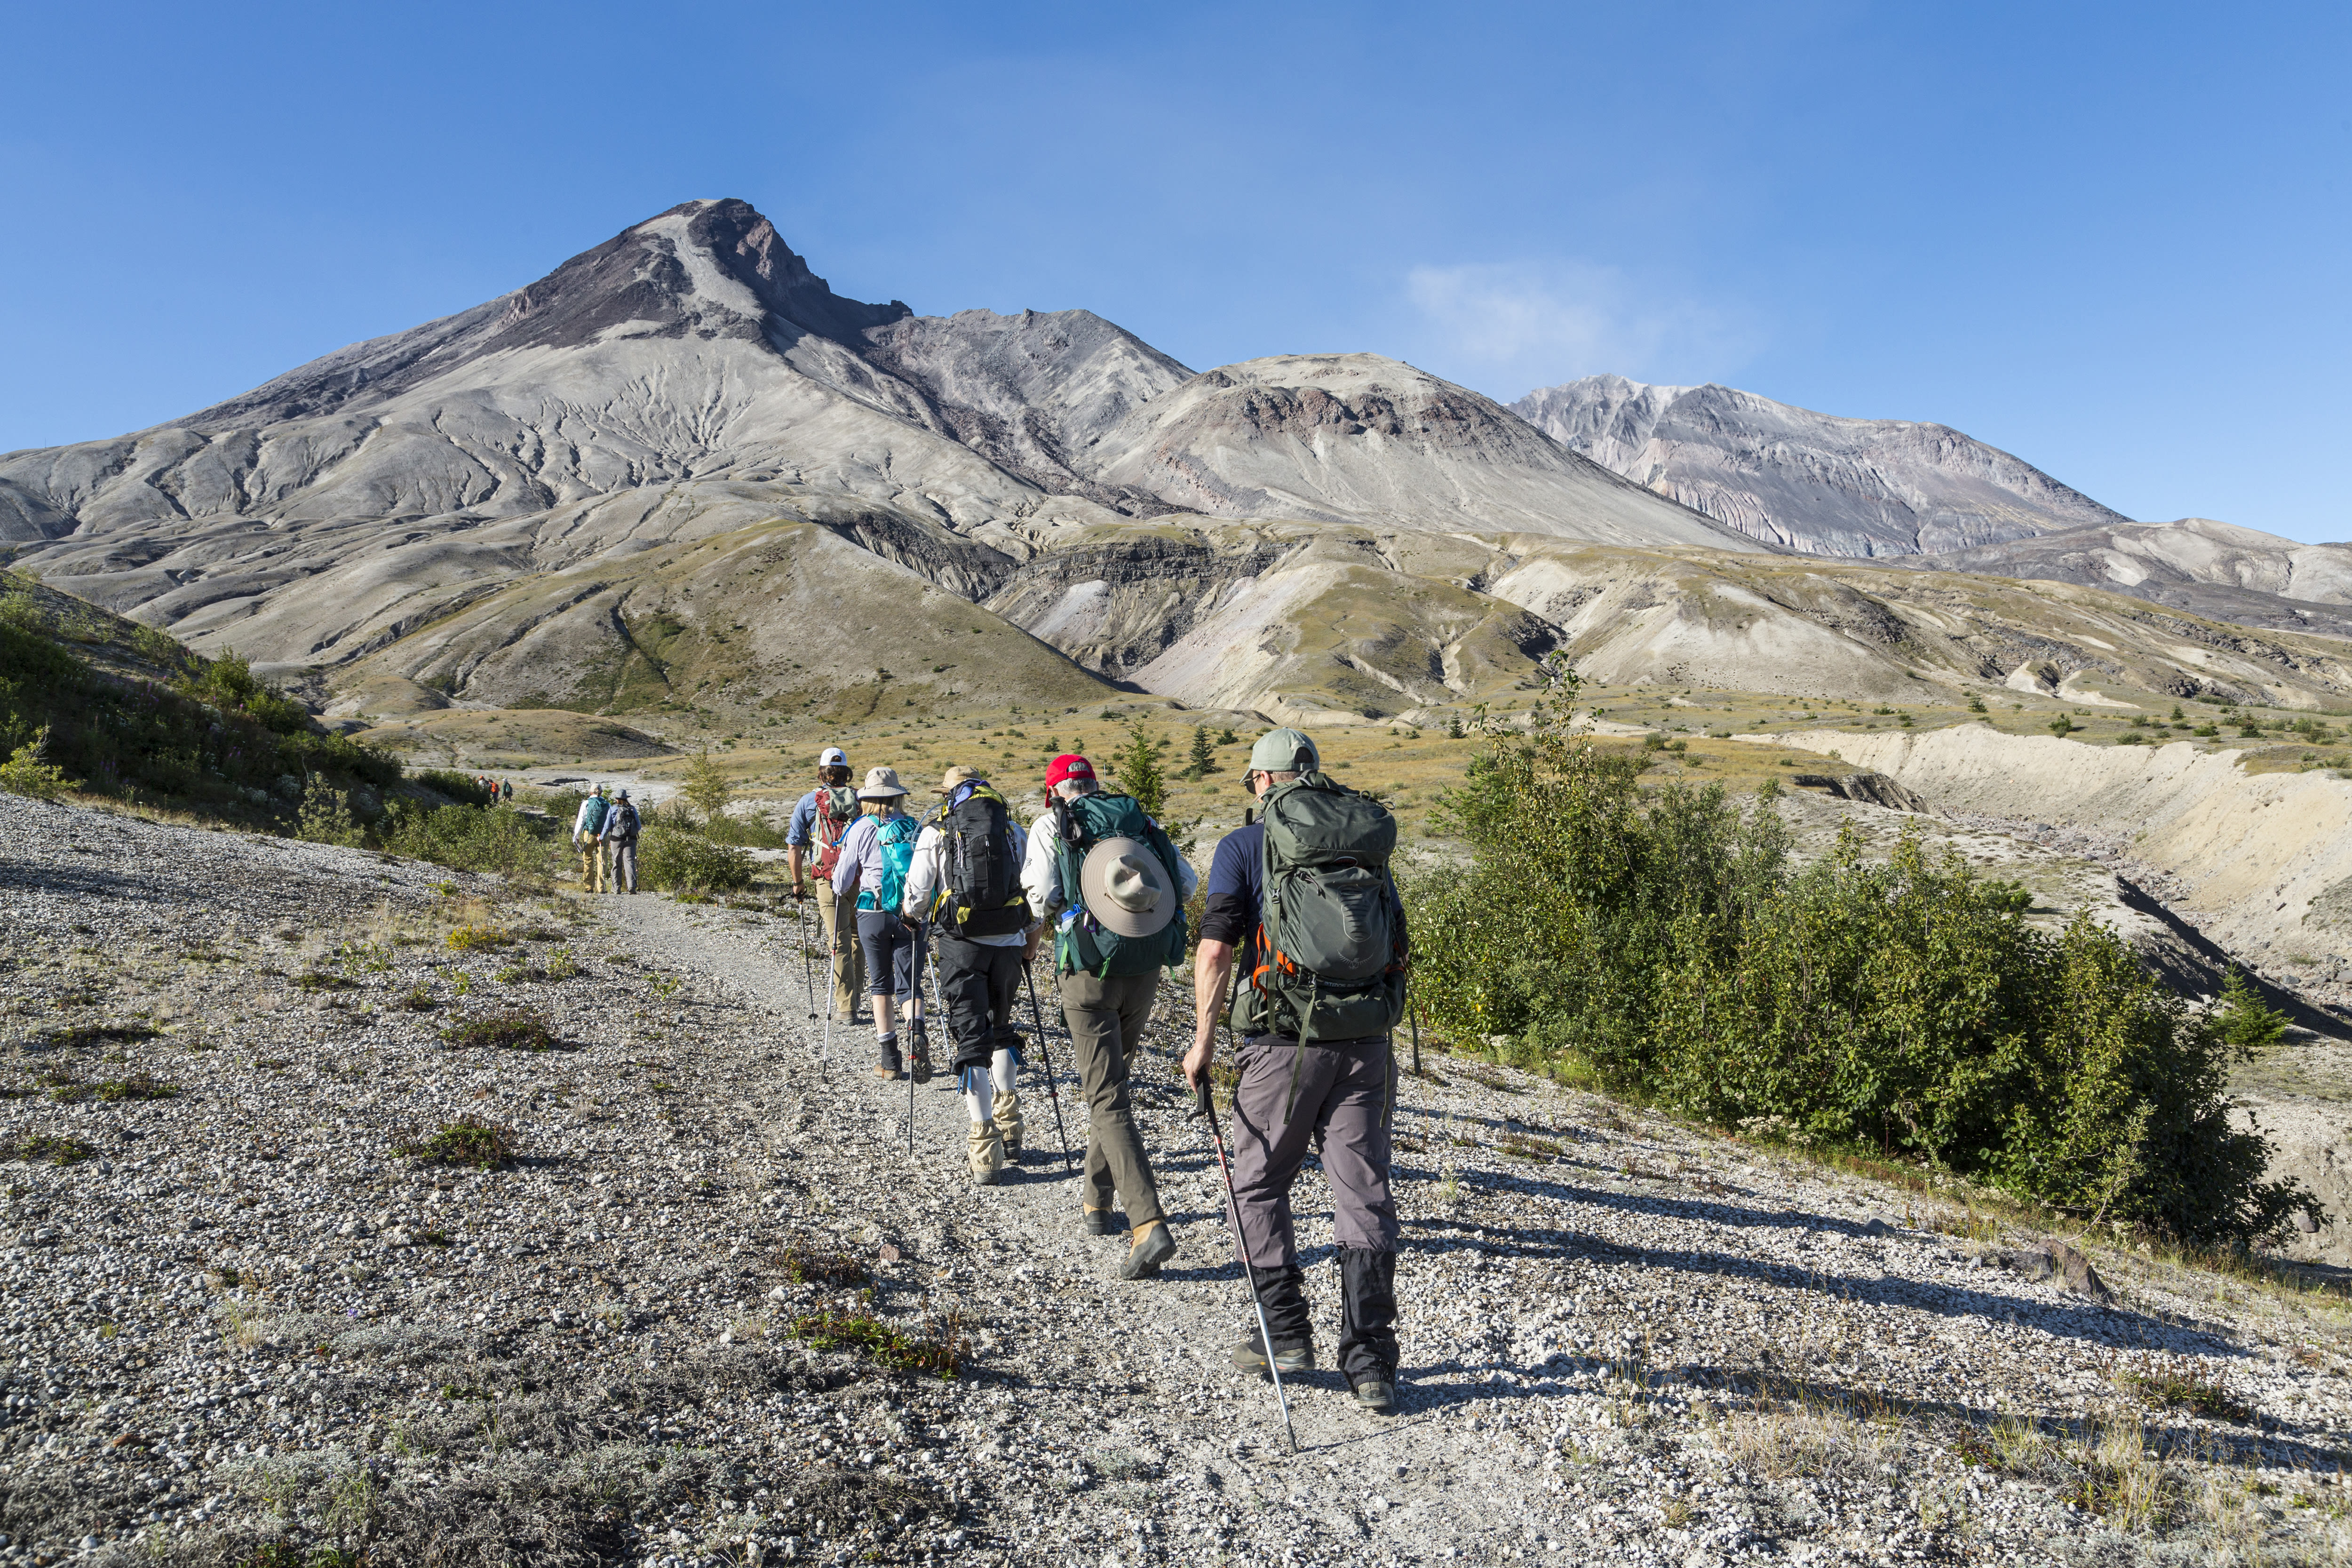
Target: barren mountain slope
(1366, 439)
(2212, 568)
(1807, 482)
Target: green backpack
(1331, 942)
(1079, 942)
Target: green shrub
(678, 860)
(25, 773)
(326, 816)
(1664, 944)
(496, 839)
(457, 786)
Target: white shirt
(925, 876)
(1041, 869)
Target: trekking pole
(832, 954)
(1045, 1057)
(1416, 1042)
(808, 976)
(1249, 1277)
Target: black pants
(978, 984)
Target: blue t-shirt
(802, 830)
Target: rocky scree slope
(1816, 483)
(244, 1318)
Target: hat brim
(880, 793)
(1093, 890)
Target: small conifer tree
(1139, 770)
(1204, 756)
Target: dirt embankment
(2265, 859)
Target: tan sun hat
(882, 784)
(958, 774)
(1126, 887)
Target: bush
(459, 787)
(1666, 943)
(326, 816)
(498, 839)
(678, 860)
(25, 773)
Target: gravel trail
(239, 1316)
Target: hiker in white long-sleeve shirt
(876, 854)
(966, 881)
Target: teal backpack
(895, 838)
(1079, 943)
(1332, 947)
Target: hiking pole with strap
(1046, 1059)
(1207, 1107)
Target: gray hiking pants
(1343, 1088)
(1106, 1019)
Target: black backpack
(620, 822)
(981, 875)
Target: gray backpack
(1332, 949)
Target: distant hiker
(818, 822)
(966, 878)
(1306, 897)
(876, 854)
(1113, 887)
(506, 790)
(620, 828)
(587, 834)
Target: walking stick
(1233, 1207)
(1045, 1057)
(1416, 1042)
(808, 978)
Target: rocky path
(686, 1323)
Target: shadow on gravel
(2100, 1325)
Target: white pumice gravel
(243, 1327)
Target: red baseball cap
(1068, 765)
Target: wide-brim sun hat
(956, 776)
(881, 784)
(1125, 889)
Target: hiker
(506, 791)
(876, 855)
(587, 834)
(966, 878)
(620, 828)
(1325, 985)
(1113, 887)
(818, 821)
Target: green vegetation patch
(677, 859)
(1667, 942)
(86, 1035)
(42, 1148)
(879, 1343)
(468, 1140)
(519, 1030)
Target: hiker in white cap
(876, 855)
(1112, 887)
(813, 839)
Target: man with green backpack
(1113, 886)
(1304, 899)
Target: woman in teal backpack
(875, 855)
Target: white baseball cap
(833, 757)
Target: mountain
(492, 505)
(680, 477)
(1809, 482)
(2217, 570)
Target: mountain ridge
(1816, 483)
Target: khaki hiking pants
(592, 866)
(1106, 1019)
(839, 912)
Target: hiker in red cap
(1113, 887)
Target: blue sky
(2112, 239)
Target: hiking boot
(985, 1149)
(1376, 1395)
(1097, 1222)
(1153, 1246)
(888, 1066)
(1009, 1123)
(919, 1051)
(1289, 1360)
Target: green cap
(1284, 750)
